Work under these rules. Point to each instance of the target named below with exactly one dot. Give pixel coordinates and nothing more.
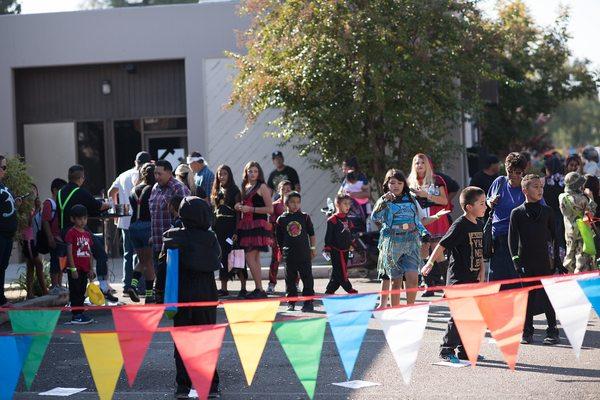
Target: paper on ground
(62, 392)
(460, 364)
(357, 384)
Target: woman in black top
(8, 226)
(140, 232)
(224, 196)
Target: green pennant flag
(302, 341)
(34, 321)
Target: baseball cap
(143, 157)
(277, 153)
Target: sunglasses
(3, 167)
(516, 172)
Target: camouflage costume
(573, 203)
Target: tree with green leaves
(10, 7)
(377, 79)
(575, 123)
(537, 78)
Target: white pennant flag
(572, 309)
(403, 329)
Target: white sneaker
(271, 288)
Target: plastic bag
(95, 295)
(589, 247)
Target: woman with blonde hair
(184, 174)
(431, 193)
(253, 229)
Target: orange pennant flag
(504, 314)
(135, 327)
(199, 347)
(467, 317)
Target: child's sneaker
(133, 294)
(242, 294)
(352, 291)
(449, 357)
(81, 319)
(308, 306)
(271, 288)
(291, 306)
(551, 339)
(527, 339)
(110, 297)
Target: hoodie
(574, 204)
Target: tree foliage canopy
(378, 79)
(10, 7)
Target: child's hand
(313, 253)
(91, 275)
(74, 274)
(427, 268)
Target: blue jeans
(101, 258)
(129, 258)
(5, 251)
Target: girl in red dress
(254, 229)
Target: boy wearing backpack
(51, 237)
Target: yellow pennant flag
(104, 357)
(250, 324)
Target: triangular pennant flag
(105, 360)
(591, 288)
(302, 341)
(199, 348)
(135, 327)
(572, 309)
(11, 363)
(251, 337)
(23, 347)
(34, 321)
(467, 318)
(403, 329)
(172, 281)
(504, 314)
(349, 319)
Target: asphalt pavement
(541, 372)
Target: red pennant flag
(465, 312)
(135, 327)
(199, 347)
(504, 314)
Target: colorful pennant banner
(591, 288)
(349, 319)
(172, 281)
(104, 357)
(11, 362)
(302, 341)
(34, 321)
(250, 326)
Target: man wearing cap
(483, 179)
(119, 192)
(204, 177)
(282, 172)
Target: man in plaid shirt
(165, 188)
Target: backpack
(41, 239)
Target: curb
(50, 300)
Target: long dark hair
(398, 175)
(229, 185)
(261, 175)
(147, 174)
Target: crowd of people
(536, 219)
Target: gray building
(95, 87)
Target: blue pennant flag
(172, 284)
(11, 363)
(591, 288)
(23, 347)
(349, 319)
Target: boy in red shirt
(79, 254)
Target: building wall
(191, 32)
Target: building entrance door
(167, 147)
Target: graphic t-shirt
(287, 173)
(82, 248)
(464, 241)
(293, 232)
(8, 213)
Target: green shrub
(18, 180)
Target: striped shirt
(159, 208)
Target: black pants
(77, 290)
(5, 251)
(437, 276)
(539, 302)
(451, 340)
(204, 289)
(292, 269)
(339, 273)
(160, 269)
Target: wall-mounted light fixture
(106, 88)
